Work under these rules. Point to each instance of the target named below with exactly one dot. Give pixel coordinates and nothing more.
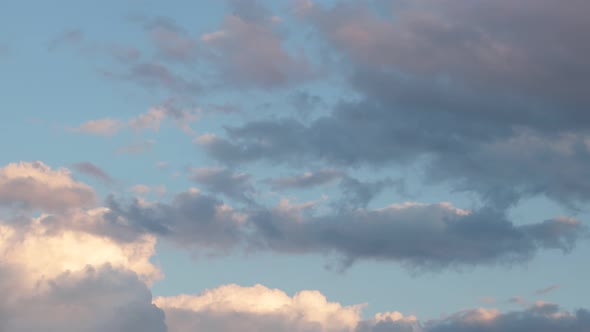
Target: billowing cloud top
(438, 137)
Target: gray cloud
(307, 180)
(541, 317)
(93, 300)
(152, 75)
(446, 87)
(449, 237)
(92, 170)
(547, 290)
(223, 181)
(248, 51)
(171, 41)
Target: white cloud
(34, 185)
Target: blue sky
(426, 158)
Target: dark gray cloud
(191, 219)
(447, 87)
(448, 237)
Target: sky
(294, 166)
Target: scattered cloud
(547, 290)
(102, 127)
(94, 171)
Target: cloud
(541, 317)
(93, 300)
(547, 290)
(307, 179)
(35, 186)
(171, 41)
(499, 45)
(248, 52)
(355, 192)
(142, 189)
(46, 246)
(58, 274)
(153, 75)
(223, 181)
(191, 219)
(257, 308)
(451, 237)
(448, 89)
(92, 170)
(517, 300)
(102, 127)
(155, 116)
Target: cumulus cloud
(35, 186)
(257, 308)
(92, 299)
(51, 244)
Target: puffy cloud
(45, 247)
(257, 308)
(35, 186)
(92, 299)
(103, 127)
(58, 274)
